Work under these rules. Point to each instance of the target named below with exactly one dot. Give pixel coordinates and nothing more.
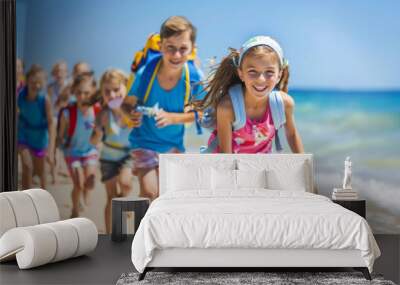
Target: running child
(74, 132)
(35, 120)
(110, 129)
(248, 92)
(163, 82)
(59, 73)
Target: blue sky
(330, 44)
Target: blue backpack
(149, 58)
(192, 76)
(236, 94)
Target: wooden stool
(138, 205)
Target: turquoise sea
(364, 125)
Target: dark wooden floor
(110, 260)
(102, 266)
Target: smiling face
(176, 49)
(113, 89)
(260, 71)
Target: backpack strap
(187, 83)
(73, 118)
(277, 108)
(148, 77)
(195, 77)
(236, 95)
(96, 109)
(192, 75)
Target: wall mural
(334, 123)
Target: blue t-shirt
(32, 121)
(148, 135)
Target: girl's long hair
(219, 80)
(225, 75)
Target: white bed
(228, 210)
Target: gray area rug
(269, 278)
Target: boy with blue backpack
(166, 80)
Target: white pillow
(223, 179)
(295, 180)
(251, 178)
(187, 177)
(282, 174)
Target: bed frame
(242, 259)
(246, 259)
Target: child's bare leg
(90, 176)
(27, 168)
(77, 179)
(125, 178)
(38, 166)
(148, 181)
(111, 187)
(61, 165)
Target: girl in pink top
(255, 136)
(259, 73)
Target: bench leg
(143, 274)
(364, 271)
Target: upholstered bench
(31, 232)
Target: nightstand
(357, 206)
(120, 206)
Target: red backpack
(73, 118)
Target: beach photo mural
(344, 78)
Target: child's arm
(49, 92)
(97, 133)
(225, 118)
(49, 117)
(292, 135)
(166, 118)
(188, 116)
(63, 125)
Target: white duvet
(253, 218)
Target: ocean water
(364, 125)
